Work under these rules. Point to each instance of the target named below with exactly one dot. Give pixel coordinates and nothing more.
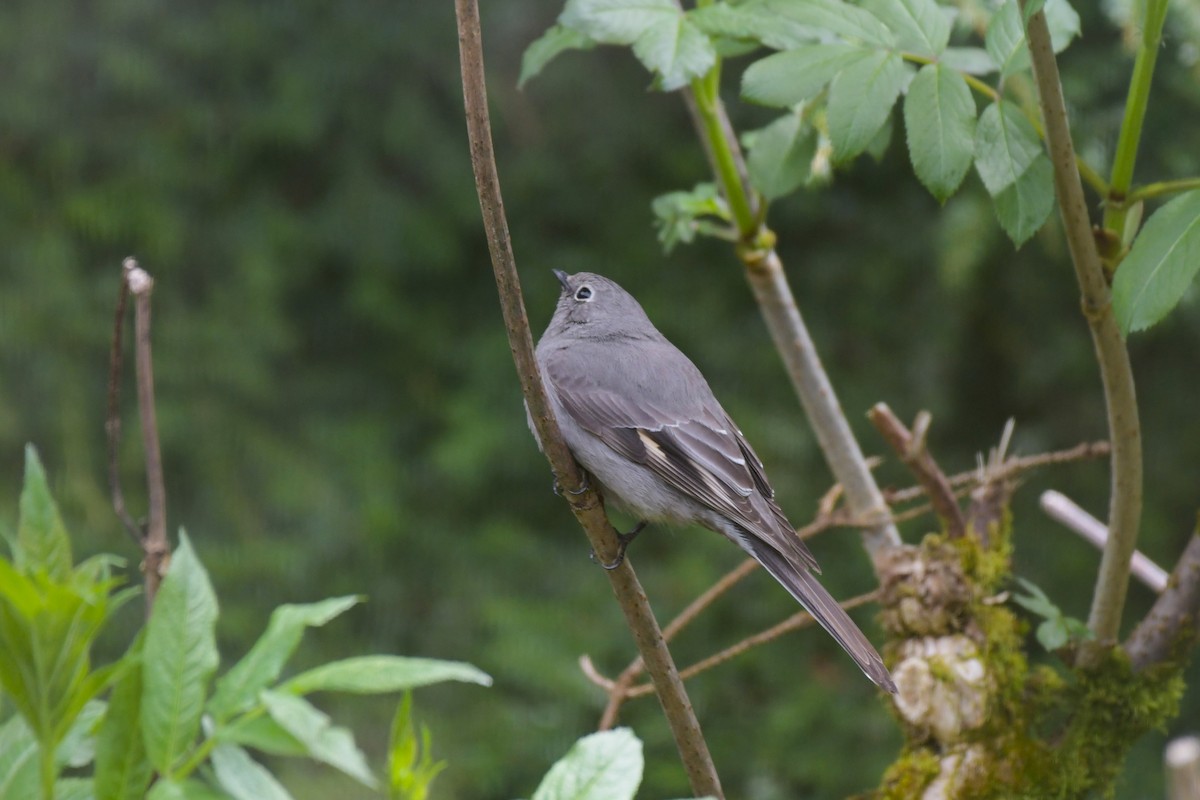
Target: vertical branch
(764, 272)
(1125, 502)
(112, 425)
(587, 507)
(910, 446)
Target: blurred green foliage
(338, 407)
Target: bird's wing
(687, 439)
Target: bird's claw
(623, 540)
(583, 487)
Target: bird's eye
(583, 294)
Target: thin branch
(112, 424)
(913, 452)
(764, 271)
(1161, 188)
(1173, 625)
(587, 506)
(1116, 374)
(155, 547)
(1064, 510)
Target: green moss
(1050, 732)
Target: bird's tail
(803, 586)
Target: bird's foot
(583, 487)
(623, 540)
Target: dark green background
(339, 411)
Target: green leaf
(556, 40)
(238, 689)
(324, 742)
(679, 216)
(1005, 40)
(780, 160)
(939, 117)
(753, 21)
(1023, 207)
(170, 789)
(78, 747)
(243, 777)
(666, 41)
(971, 60)
(1063, 21)
(1160, 266)
(123, 770)
(785, 79)
(260, 733)
(73, 789)
(42, 542)
(411, 768)
(18, 759)
(1005, 146)
(825, 17)
(920, 26)
(382, 674)
(878, 146)
(180, 657)
(1052, 634)
(860, 99)
(602, 766)
(1036, 601)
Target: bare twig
(155, 545)
(912, 450)
(1116, 374)
(1182, 762)
(1173, 624)
(1064, 510)
(587, 506)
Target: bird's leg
(583, 487)
(623, 540)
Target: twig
(1116, 374)
(1064, 510)
(155, 545)
(1182, 762)
(916, 455)
(112, 424)
(587, 506)
(1173, 624)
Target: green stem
(48, 770)
(1135, 115)
(1161, 188)
(707, 93)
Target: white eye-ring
(584, 294)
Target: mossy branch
(587, 506)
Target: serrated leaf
(781, 159)
(663, 38)
(1005, 146)
(835, 17)
(1160, 266)
(939, 118)
(18, 759)
(1063, 22)
(556, 40)
(382, 674)
(238, 689)
(1005, 40)
(679, 216)
(860, 99)
(751, 21)
(324, 742)
(42, 542)
(180, 656)
(602, 766)
(878, 146)
(1023, 207)
(243, 777)
(123, 770)
(971, 60)
(787, 78)
(920, 26)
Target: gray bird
(642, 421)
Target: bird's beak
(562, 278)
